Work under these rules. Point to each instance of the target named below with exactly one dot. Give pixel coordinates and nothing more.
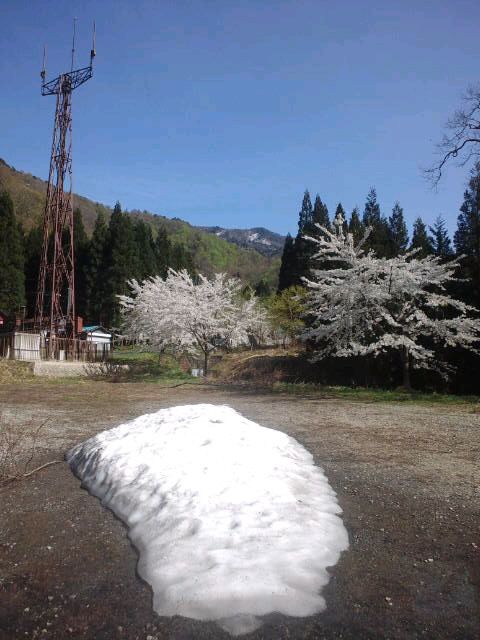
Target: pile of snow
(231, 520)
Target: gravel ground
(56, 369)
(407, 477)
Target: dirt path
(407, 477)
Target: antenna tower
(55, 301)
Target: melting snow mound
(231, 520)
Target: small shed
(98, 335)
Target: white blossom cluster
(189, 314)
(360, 304)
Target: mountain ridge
(211, 252)
(266, 242)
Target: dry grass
(12, 371)
(245, 365)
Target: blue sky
(223, 112)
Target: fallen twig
(21, 476)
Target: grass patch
(126, 355)
(362, 394)
(134, 365)
(12, 371)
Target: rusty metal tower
(55, 301)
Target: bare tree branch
(463, 138)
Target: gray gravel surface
(407, 477)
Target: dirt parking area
(407, 477)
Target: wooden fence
(33, 346)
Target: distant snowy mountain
(262, 240)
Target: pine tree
(378, 239)
(397, 231)
(440, 240)
(420, 239)
(356, 226)
(305, 217)
(96, 272)
(123, 262)
(320, 213)
(340, 214)
(262, 289)
(467, 239)
(12, 278)
(163, 250)
(303, 247)
(146, 250)
(33, 241)
(80, 252)
(371, 213)
(287, 273)
(181, 259)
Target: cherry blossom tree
(360, 304)
(192, 315)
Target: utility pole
(55, 301)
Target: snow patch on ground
(231, 520)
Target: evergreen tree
(262, 289)
(80, 253)
(146, 250)
(378, 240)
(123, 263)
(319, 217)
(467, 239)
(33, 241)
(288, 265)
(356, 226)
(320, 213)
(96, 272)
(340, 214)
(440, 240)
(305, 217)
(163, 250)
(304, 249)
(420, 239)
(12, 278)
(181, 258)
(371, 213)
(397, 231)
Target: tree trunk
(405, 355)
(205, 363)
(367, 372)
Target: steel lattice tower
(55, 301)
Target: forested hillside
(209, 253)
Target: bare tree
(462, 137)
